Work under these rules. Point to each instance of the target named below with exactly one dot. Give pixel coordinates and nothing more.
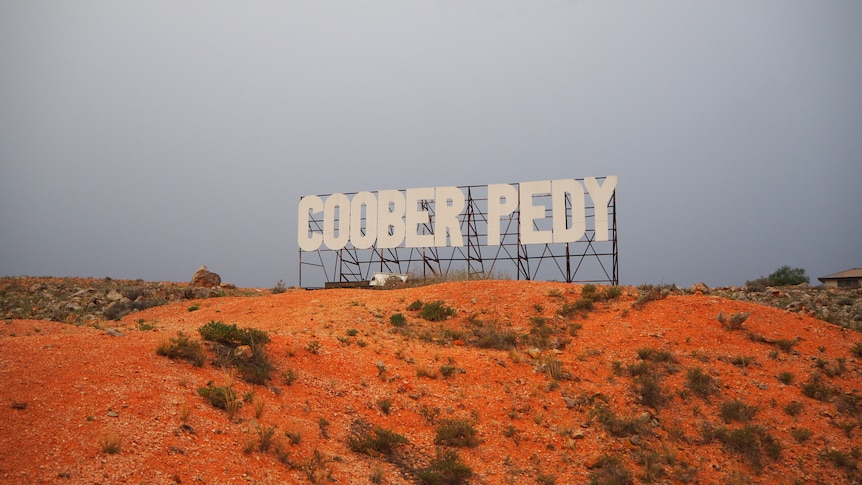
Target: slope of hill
(523, 383)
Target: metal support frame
(582, 261)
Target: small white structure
(380, 279)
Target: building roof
(848, 273)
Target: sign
(396, 218)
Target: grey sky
(142, 139)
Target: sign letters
(392, 218)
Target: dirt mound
(469, 382)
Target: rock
(701, 287)
(113, 332)
(243, 352)
(206, 278)
(114, 295)
(227, 286)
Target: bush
(255, 369)
(580, 306)
(279, 288)
(397, 320)
(610, 470)
(737, 411)
(436, 311)
(456, 432)
(794, 408)
(750, 441)
(231, 335)
(619, 427)
(700, 383)
(374, 442)
(785, 276)
(492, 336)
(221, 397)
(182, 347)
(415, 306)
(650, 391)
(815, 388)
(446, 469)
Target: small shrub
(700, 383)
(815, 388)
(265, 436)
(182, 347)
(313, 347)
(647, 293)
(785, 377)
(742, 361)
(839, 459)
(492, 336)
(385, 405)
(397, 320)
(857, 349)
(446, 469)
(653, 355)
(436, 311)
(195, 307)
(578, 307)
(786, 345)
(110, 443)
(619, 427)
(222, 333)
(279, 288)
(737, 411)
(794, 408)
(750, 441)
(448, 370)
(415, 306)
(456, 432)
(611, 470)
(801, 435)
(650, 391)
(375, 442)
(221, 397)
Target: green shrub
(650, 391)
(785, 377)
(415, 306)
(231, 335)
(700, 383)
(221, 397)
(397, 320)
(256, 368)
(619, 427)
(580, 306)
(182, 347)
(436, 311)
(492, 336)
(815, 388)
(456, 432)
(793, 408)
(374, 442)
(446, 469)
(801, 435)
(611, 470)
(750, 441)
(785, 276)
(737, 411)
(653, 355)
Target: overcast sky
(143, 139)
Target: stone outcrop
(205, 278)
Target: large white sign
(394, 217)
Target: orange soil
(72, 377)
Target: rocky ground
(515, 382)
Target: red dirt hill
(660, 392)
